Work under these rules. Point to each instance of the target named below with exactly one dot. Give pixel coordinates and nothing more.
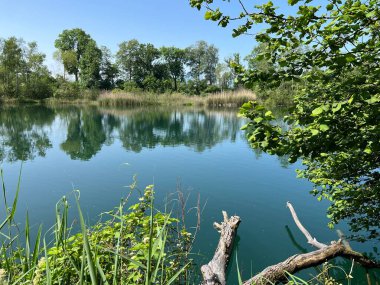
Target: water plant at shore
(133, 245)
(219, 99)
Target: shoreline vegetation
(139, 244)
(119, 99)
(137, 74)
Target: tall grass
(220, 99)
(230, 98)
(135, 245)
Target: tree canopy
(334, 49)
(80, 55)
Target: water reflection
(86, 134)
(198, 130)
(23, 132)
(27, 132)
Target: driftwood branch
(310, 239)
(214, 271)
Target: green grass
(220, 99)
(133, 245)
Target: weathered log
(214, 273)
(295, 263)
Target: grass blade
(175, 276)
(48, 272)
(14, 206)
(100, 270)
(3, 187)
(148, 271)
(86, 245)
(240, 281)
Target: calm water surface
(98, 151)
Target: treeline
(22, 70)
(135, 67)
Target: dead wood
(214, 272)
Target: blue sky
(161, 22)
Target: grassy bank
(133, 244)
(220, 99)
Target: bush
(67, 90)
(212, 89)
(131, 86)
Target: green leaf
(337, 107)
(268, 114)
(208, 15)
(293, 2)
(317, 111)
(324, 127)
(314, 132)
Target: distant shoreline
(231, 99)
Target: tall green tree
(137, 61)
(22, 70)
(38, 83)
(12, 63)
(175, 59)
(108, 69)
(211, 60)
(127, 58)
(80, 56)
(202, 59)
(334, 49)
(256, 62)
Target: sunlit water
(202, 152)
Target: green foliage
(334, 50)
(202, 60)
(67, 89)
(135, 245)
(22, 73)
(108, 70)
(80, 56)
(175, 59)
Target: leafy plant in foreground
(136, 245)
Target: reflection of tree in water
(86, 133)
(199, 130)
(22, 132)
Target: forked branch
(214, 272)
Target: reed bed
(221, 99)
(230, 98)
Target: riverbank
(130, 99)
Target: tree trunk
(214, 273)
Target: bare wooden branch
(277, 272)
(310, 239)
(214, 273)
(295, 263)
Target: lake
(202, 152)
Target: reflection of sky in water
(204, 150)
